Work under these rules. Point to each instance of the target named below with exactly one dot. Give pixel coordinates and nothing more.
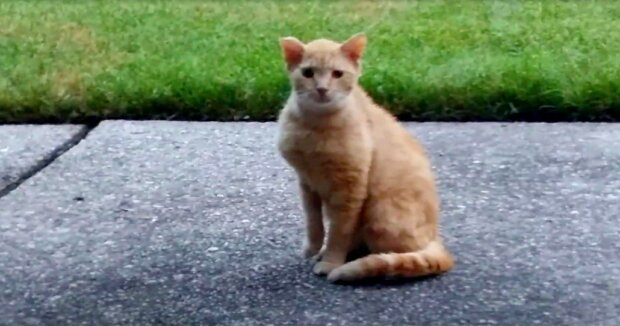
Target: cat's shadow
(386, 282)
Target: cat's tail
(431, 260)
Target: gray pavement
(172, 223)
(24, 148)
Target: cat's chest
(300, 148)
(321, 158)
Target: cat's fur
(359, 166)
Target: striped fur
(432, 260)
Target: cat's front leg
(341, 235)
(315, 230)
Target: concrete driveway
(177, 223)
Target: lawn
(220, 60)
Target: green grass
(426, 60)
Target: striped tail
(433, 259)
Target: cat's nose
(321, 90)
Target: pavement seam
(48, 159)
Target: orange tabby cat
(359, 166)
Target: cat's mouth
(318, 99)
(322, 98)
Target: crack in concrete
(48, 159)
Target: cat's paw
(324, 268)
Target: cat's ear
(292, 50)
(354, 47)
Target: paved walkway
(173, 223)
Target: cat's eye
(337, 74)
(307, 72)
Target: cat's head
(323, 72)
